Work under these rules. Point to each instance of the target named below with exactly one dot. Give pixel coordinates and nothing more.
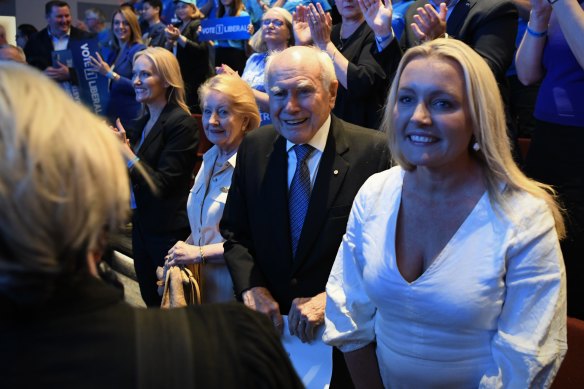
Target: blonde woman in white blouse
(450, 274)
(229, 111)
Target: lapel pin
(335, 172)
(225, 189)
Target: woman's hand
(99, 65)
(429, 24)
(172, 33)
(300, 26)
(539, 17)
(377, 15)
(120, 133)
(183, 254)
(320, 25)
(250, 29)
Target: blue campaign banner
(233, 28)
(93, 88)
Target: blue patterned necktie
(299, 194)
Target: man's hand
(429, 24)
(306, 314)
(377, 15)
(60, 73)
(260, 299)
(302, 35)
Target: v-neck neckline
(444, 251)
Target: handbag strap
(194, 289)
(164, 349)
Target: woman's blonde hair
(488, 121)
(257, 42)
(167, 68)
(239, 94)
(133, 23)
(55, 157)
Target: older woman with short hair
(451, 260)
(229, 111)
(118, 66)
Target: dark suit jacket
(194, 63)
(255, 222)
(168, 154)
(488, 26)
(39, 49)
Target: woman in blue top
(118, 66)
(231, 52)
(552, 51)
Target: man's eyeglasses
(275, 22)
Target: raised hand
(302, 35)
(429, 24)
(377, 15)
(320, 24)
(99, 65)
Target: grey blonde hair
(488, 121)
(257, 42)
(55, 157)
(327, 67)
(167, 68)
(239, 94)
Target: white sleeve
(350, 315)
(530, 342)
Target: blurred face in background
(121, 28)
(184, 11)
(59, 20)
(275, 31)
(149, 13)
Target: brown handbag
(179, 285)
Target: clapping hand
(377, 15)
(302, 34)
(320, 24)
(429, 24)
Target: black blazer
(488, 26)
(39, 49)
(168, 154)
(194, 63)
(255, 221)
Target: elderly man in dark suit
(56, 36)
(292, 190)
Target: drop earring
(475, 146)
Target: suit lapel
(458, 17)
(274, 196)
(329, 180)
(156, 130)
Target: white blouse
(489, 312)
(204, 208)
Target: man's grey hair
(326, 66)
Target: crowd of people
(363, 177)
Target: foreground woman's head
(63, 184)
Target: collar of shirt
(449, 4)
(318, 141)
(59, 43)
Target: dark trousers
(149, 251)
(556, 157)
(341, 378)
